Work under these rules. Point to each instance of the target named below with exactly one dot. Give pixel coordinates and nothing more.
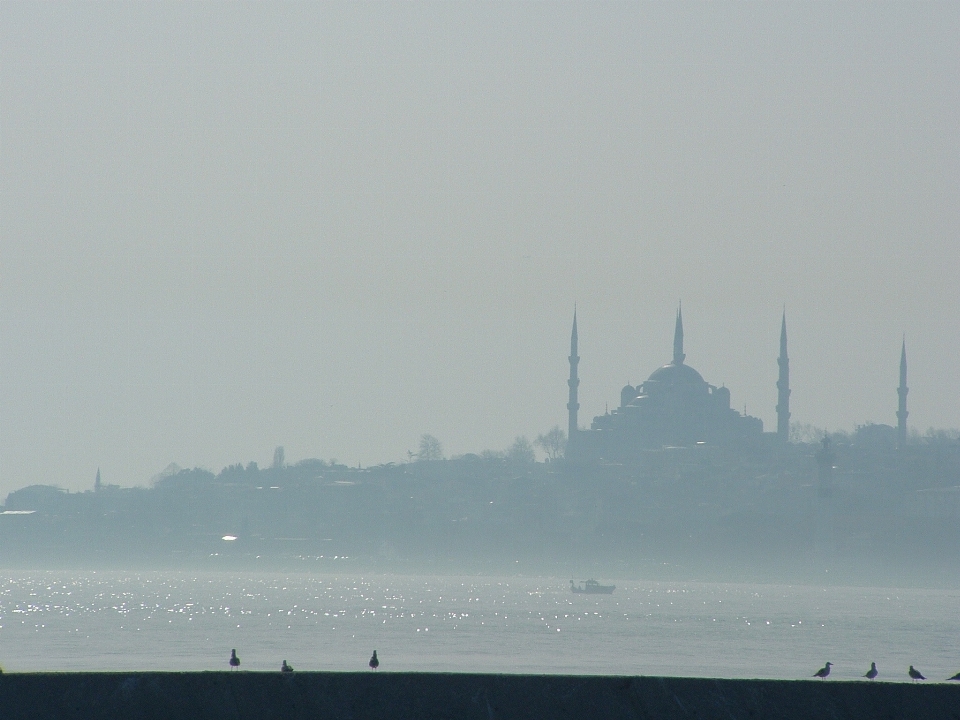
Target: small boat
(592, 587)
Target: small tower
(783, 386)
(96, 483)
(574, 382)
(678, 355)
(902, 392)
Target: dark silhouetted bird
(374, 661)
(955, 677)
(915, 674)
(234, 660)
(872, 672)
(286, 668)
(824, 671)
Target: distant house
(875, 437)
(36, 497)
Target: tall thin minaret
(574, 382)
(96, 483)
(678, 355)
(902, 392)
(783, 385)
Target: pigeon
(872, 672)
(286, 668)
(234, 660)
(824, 671)
(955, 677)
(915, 674)
(374, 662)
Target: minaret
(678, 355)
(902, 392)
(783, 386)
(96, 483)
(574, 381)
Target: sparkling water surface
(183, 621)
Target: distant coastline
(697, 512)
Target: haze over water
(182, 621)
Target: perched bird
(872, 672)
(234, 660)
(286, 668)
(824, 671)
(915, 674)
(955, 677)
(374, 662)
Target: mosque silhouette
(676, 407)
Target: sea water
(63, 621)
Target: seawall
(216, 695)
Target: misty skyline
(336, 227)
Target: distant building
(876, 436)
(674, 407)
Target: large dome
(676, 374)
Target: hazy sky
(337, 226)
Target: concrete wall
(398, 696)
